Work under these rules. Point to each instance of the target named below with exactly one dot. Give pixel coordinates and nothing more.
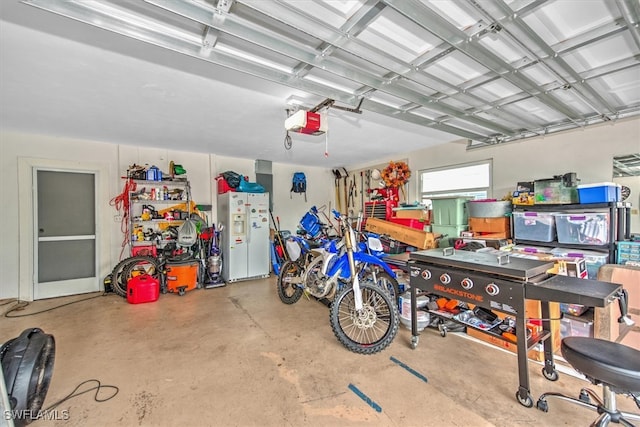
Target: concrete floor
(237, 356)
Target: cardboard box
(536, 353)
(412, 213)
(501, 226)
(572, 267)
(523, 198)
(410, 236)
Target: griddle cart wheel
(443, 329)
(551, 376)
(527, 402)
(414, 342)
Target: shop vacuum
(213, 267)
(27, 365)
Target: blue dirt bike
(363, 314)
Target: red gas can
(143, 288)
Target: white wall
(288, 207)
(633, 182)
(201, 169)
(587, 152)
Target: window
(470, 179)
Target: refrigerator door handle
(248, 217)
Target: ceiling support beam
(235, 27)
(432, 22)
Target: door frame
(26, 186)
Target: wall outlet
(117, 218)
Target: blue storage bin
(536, 226)
(602, 192)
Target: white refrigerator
(245, 237)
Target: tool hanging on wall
(361, 191)
(337, 175)
(278, 237)
(346, 196)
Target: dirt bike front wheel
(289, 292)
(369, 330)
(385, 281)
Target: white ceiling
(426, 72)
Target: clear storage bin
(583, 228)
(536, 226)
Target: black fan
(624, 193)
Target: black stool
(615, 366)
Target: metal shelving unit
(178, 194)
(619, 224)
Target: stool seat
(604, 362)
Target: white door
(65, 251)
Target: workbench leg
(414, 318)
(523, 394)
(549, 371)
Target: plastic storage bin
(536, 226)
(593, 260)
(449, 211)
(583, 228)
(628, 252)
(603, 192)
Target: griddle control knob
(426, 274)
(492, 289)
(466, 283)
(445, 279)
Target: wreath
(396, 174)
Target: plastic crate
(583, 228)
(391, 246)
(449, 211)
(593, 260)
(535, 226)
(628, 252)
(599, 193)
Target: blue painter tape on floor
(413, 371)
(364, 397)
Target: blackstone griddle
(502, 283)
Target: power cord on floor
(21, 305)
(98, 387)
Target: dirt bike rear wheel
(288, 292)
(371, 329)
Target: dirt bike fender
(370, 259)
